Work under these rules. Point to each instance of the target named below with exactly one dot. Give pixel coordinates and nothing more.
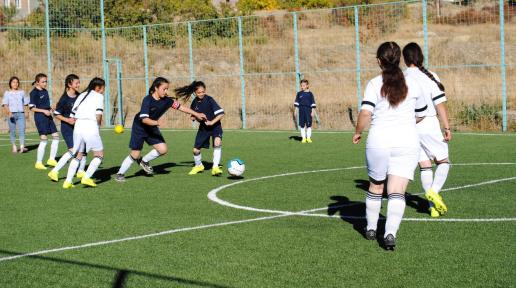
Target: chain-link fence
(252, 65)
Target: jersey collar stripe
(368, 103)
(422, 109)
(438, 96)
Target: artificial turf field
(163, 231)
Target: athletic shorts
(86, 137)
(305, 117)
(139, 136)
(67, 132)
(44, 124)
(391, 161)
(433, 146)
(202, 139)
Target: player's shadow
(31, 147)
(296, 138)
(417, 202)
(104, 174)
(353, 212)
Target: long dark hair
(186, 91)
(413, 55)
(68, 81)
(394, 87)
(11, 82)
(156, 83)
(38, 77)
(94, 83)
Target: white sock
(62, 162)
(197, 159)
(41, 150)
(441, 173)
(427, 177)
(94, 164)
(53, 149)
(153, 154)
(82, 165)
(309, 132)
(303, 132)
(128, 161)
(373, 206)
(217, 154)
(72, 168)
(395, 210)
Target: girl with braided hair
(434, 145)
(391, 104)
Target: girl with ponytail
(211, 128)
(62, 112)
(146, 127)
(391, 103)
(434, 146)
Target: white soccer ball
(236, 167)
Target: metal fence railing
(252, 65)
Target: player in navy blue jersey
(305, 103)
(62, 112)
(40, 105)
(209, 129)
(146, 127)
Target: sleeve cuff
(220, 111)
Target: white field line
(212, 195)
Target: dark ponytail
(94, 83)
(413, 55)
(156, 83)
(68, 81)
(186, 91)
(394, 87)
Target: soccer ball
(236, 167)
(119, 129)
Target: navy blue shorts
(67, 132)
(202, 139)
(45, 124)
(305, 119)
(139, 135)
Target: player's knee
(444, 161)
(196, 151)
(55, 137)
(43, 138)
(162, 151)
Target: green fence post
(296, 52)
(105, 68)
(120, 94)
(425, 31)
(242, 78)
(357, 57)
(49, 51)
(145, 58)
(190, 52)
(503, 66)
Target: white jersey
(88, 106)
(433, 94)
(393, 127)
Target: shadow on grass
(296, 138)
(121, 276)
(417, 202)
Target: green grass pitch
(206, 244)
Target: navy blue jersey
(154, 109)
(305, 99)
(65, 105)
(39, 99)
(209, 107)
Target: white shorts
(433, 146)
(86, 137)
(391, 161)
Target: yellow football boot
(80, 174)
(52, 162)
(437, 200)
(40, 166)
(53, 175)
(196, 169)
(88, 182)
(68, 185)
(216, 171)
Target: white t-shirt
(88, 106)
(433, 94)
(393, 126)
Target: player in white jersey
(434, 146)
(87, 111)
(391, 103)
